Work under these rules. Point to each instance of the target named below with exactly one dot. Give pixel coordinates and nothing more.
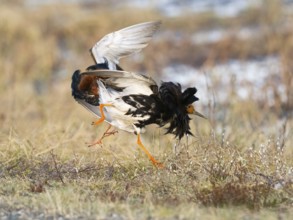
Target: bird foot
(106, 134)
(94, 143)
(157, 164)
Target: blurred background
(238, 53)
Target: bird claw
(95, 143)
(106, 134)
(158, 164)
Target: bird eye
(190, 109)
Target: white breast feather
(118, 111)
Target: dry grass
(238, 165)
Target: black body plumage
(168, 105)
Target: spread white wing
(124, 42)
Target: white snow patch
(252, 79)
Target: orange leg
(102, 114)
(155, 163)
(106, 134)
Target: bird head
(191, 110)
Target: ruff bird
(130, 101)
(127, 100)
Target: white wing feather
(124, 42)
(132, 83)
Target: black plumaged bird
(131, 101)
(127, 100)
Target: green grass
(238, 165)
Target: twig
(56, 167)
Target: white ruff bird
(131, 101)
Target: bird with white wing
(127, 100)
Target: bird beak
(198, 114)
